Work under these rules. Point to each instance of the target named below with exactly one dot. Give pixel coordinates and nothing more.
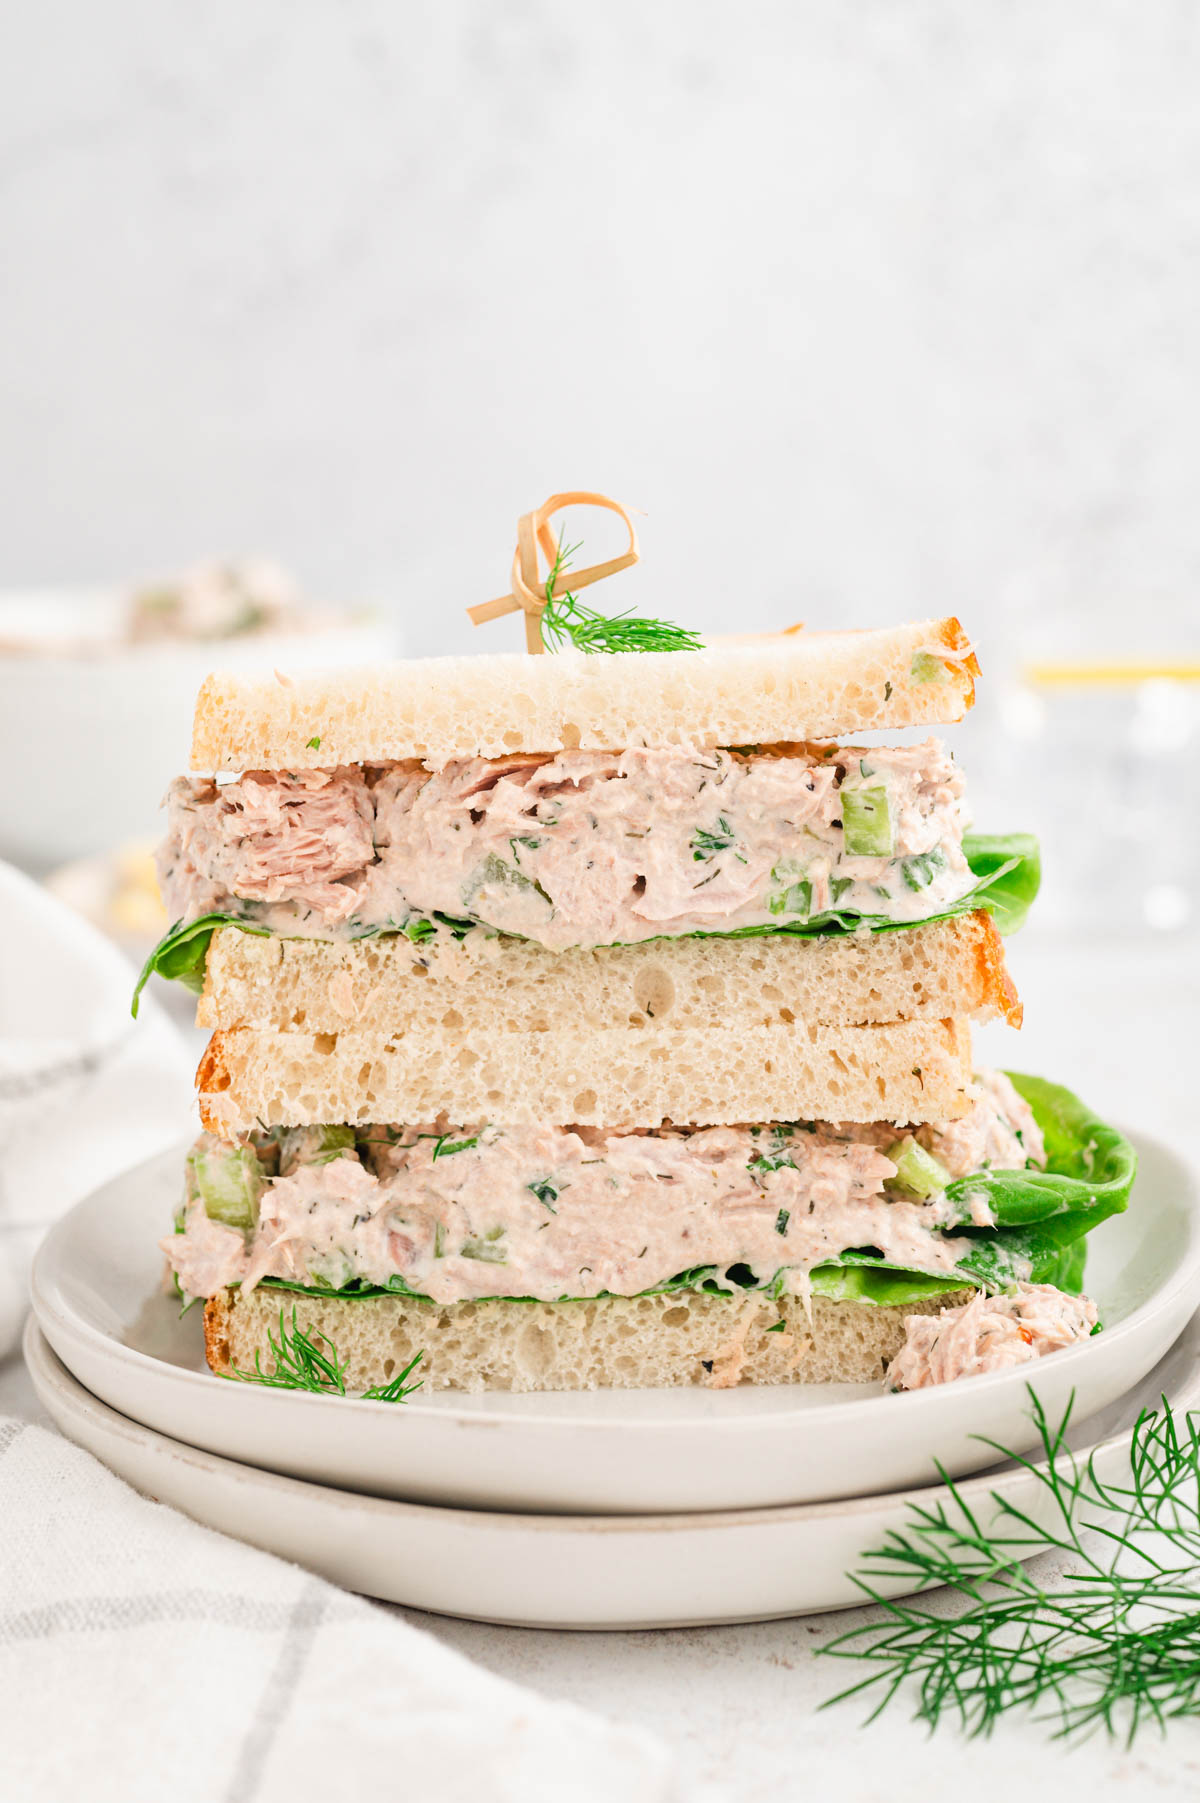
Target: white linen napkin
(85, 1091)
(143, 1657)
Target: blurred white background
(878, 310)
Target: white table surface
(1121, 1026)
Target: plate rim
(40, 1355)
(1185, 1275)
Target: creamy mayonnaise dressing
(583, 848)
(550, 1212)
(990, 1333)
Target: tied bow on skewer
(554, 618)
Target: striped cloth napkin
(85, 1091)
(142, 1656)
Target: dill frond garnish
(1115, 1643)
(567, 620)
(303, 1361)
(398, 1390)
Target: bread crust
(643, 1342)
(994, 979)
(780, 688)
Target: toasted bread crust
(212, 1074)
(994, 979)
(218, 1311)
(951, 634)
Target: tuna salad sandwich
(586, 1021)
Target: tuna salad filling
(551, 1213)
(581, 848)
(990, 1333)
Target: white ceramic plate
(565, 1571)
(97, 1290)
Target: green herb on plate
(303, 1361)
(1112, 1641)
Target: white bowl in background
(93, 730)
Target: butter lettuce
(181, 953)
(1008, 872)
(1007, 868)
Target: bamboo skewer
(528, 593)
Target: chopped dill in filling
(548, 1213)
(579, 848)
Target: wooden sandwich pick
(528, 593)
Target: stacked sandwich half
(585, 1021)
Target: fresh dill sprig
(303, 1361)
(1116, 1642)
(398, 1390)
(566, 619)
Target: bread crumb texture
(908, 1072)
(809, 685)
(642, 1342)
(491, 984)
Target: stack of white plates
(604, 1510)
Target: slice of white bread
(809, 685)
(910, 1071)
(624, 1343)
(490, 984)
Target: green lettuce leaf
(1090, 1166)
(1042, 1218)
(181, 953)
(1008, 869)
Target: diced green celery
(796, 900)
(314, 1145)
(486, 1247)
(334, 1141)
(866, 823)
(917, 1170)
(925, 667)
(229, 1182)
(786, 896)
